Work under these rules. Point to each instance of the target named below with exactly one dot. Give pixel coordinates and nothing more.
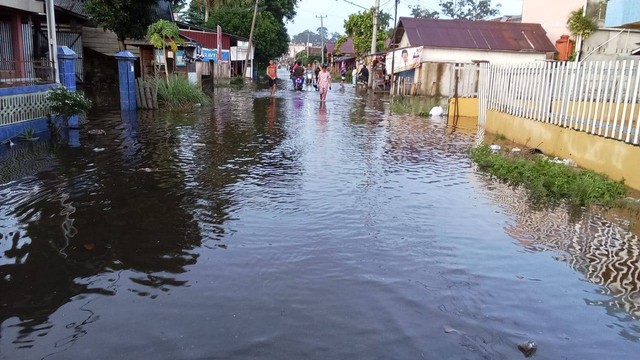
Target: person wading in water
(272, 73)
(324, 83)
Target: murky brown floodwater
(270, 229)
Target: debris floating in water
(528, 348)
(98, 149)
(436, 111)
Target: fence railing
(19, 73)
(599, 97)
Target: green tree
(468, 9)
(270, 35)
(423, 13)
(306, 35)
(359, 27)
(580, 24)
(162, 31)
(126, 18)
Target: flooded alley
(273, 228)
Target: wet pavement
(272, 228)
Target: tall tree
(423, 13)
(359, 27)
(469, 9)
(305, 36)
(126, 18)
(270, 33)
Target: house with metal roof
(428, 50)
(335, 56)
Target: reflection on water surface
(274, 228)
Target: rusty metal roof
(346, 47)
(476, 35)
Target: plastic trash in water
(436, 111)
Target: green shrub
(547, 180)
(65, 103)
(237, 80)
(178, 93)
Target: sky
(337, 11)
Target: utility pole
(580, 39)
(374, 39)
(393, 48)
(246, 60)
(321, 36)
(53, 43)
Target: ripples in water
(271, 227)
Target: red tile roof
(477, 35)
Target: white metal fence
(599, 97)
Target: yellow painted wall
(614, 158)
(582, 109)
(468, 107)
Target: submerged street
(271, 228)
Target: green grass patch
(413, 105)
(549, 181)
(500, 137)
(178, 94)
(237, 81)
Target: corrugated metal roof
(345, 48)
(73, 6)
(207, 39)
(477, 35)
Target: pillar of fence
(67, 67)
(127, 80)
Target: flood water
(269, 228)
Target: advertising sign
(212, 55)
(405, 59)
(209, 55)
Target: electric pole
(321, 36)
(374, 39)
(246, 60)
(393, 48)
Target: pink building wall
(551, 14)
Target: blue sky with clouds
(337, 11)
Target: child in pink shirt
(324, 82)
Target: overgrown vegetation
(549, 181)
(65, 103)
(179, 94)
(413, 105)
(579, 24)
(159, 33)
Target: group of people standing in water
(321, 74)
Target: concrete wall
(611, 157)
(619, 46)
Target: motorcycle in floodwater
(298, 82)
